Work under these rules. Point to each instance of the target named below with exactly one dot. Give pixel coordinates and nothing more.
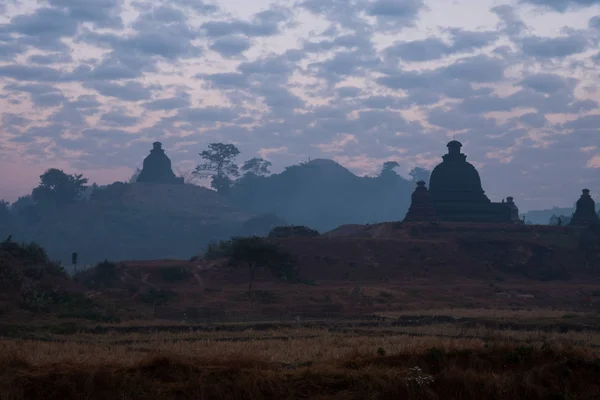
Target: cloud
(510, 23)
(130, 91)
(30, 73)
(562, 46)
(434, 48)
(225, 80)
(171, 103)
(562, 5)
(546, 83)
(117, 118)
(51, 58)
(533, 120)
(88, 83)
(207, 116)
(102, 13)
(230, 46)
(476, 69)
(265, 23)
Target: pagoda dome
(157, 167)
(586, 202)
(455, 179)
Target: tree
(559, 220)
(5, 215)
(389, 166)
(257, 167)
(419, 174)
(219, 166)
(57, 188)
(253, 253)
(188, 176)
(135, 175)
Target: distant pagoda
(585, 211)
(157, 168)
(421, 209)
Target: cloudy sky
(88, 85)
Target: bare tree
(188, 176)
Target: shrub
(218, 250)
(158, 296)
(292, 231)
(174, 274)
(30, 253)
(103, 275)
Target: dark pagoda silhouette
(421, 209)
(457, 195)
(585, 211)
(157, 168)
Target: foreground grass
(496, 372)
(443, 362)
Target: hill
(31, 284)
(323, 195)
(137, 221)
(374, 268)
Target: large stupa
(457, 195)
(157, 167)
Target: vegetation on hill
(147, 221)
(254, 253)
(29, 281)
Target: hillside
(324, 195)
(175, 200)
(373, 268)
(136, 221)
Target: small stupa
(585, 211)
(157, 167)
(421, 209)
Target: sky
(88, 85)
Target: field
(384, 311)
(443, 354)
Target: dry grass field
(384, 359)
(386, 312)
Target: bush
(292, 231)
(158, 296)
(103, 275)
(30, 253)
(49, 299)
(218, 250)
(174, 274)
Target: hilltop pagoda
(421, 209)
(157, 168)
(585, 211)
(457, 194)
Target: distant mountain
(542, 217)
(323, 195)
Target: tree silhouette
(419, 174)
(57, 188)
(5, 214)
(253, 253)
(257, 167)
(136, 173)
(219, 166)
